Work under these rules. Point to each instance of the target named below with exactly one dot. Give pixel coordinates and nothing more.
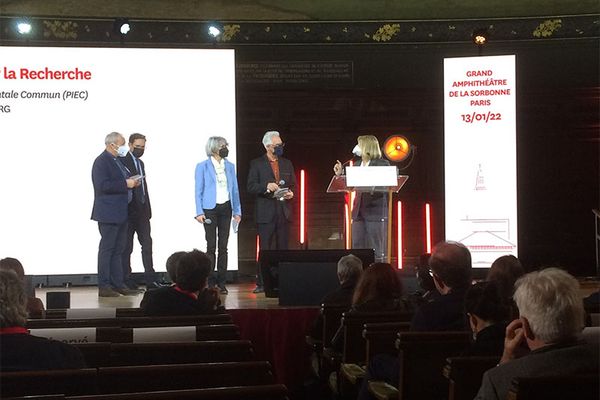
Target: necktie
(138, 165)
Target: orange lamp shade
(396, 148)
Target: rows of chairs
(430, 363)
(207, 360)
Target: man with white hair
(269, 177)
(544, 340)
(113, 191)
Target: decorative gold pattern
(229, 32)
(386, 32)
(547, 28)
(60, 29)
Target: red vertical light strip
(399, 233)
(257, 247)
(347, 225)
(428, 226)
(302, 207)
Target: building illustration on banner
(488, 236)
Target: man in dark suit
(112, 193)
(545, 339)
(139, 214)
(268, 174)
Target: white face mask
(357, 151)
(122, 150)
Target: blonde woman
(369, 210)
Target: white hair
(349, 268)
(112, 137)
(550, 301)
(213, 144)
(268, 137)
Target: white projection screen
(176, 97)
(480, 155)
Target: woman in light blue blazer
(217, 202)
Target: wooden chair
(422, 356)
(64, 381)
(259, 392)
(151, 378)
(131, 322)
(579, 387)
(123, 354)
(464, 375)
(95, 354)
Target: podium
(370, 180)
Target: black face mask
(223, 152)
(137, 153)
(278, 151)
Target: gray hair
(13, 301)
(113, 137)
(268, 137)
(213, 144)
(550, 301)
(349, 268)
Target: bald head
(451, 263)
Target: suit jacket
(206, 187)
(110, 190)
(564, 359)
(136, 204)
(372, 206)
(260, 174)
(23, 352)
(443, 313)
(168, 301)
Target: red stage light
(257, 247)
(302, 207)
(400, 252)
(428, 227)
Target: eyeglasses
(279, 145)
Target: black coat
(259, 176)
(136, 205)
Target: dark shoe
(259, 289)
(223, 290)
(131, 285)
(128, 292)
(107, 292)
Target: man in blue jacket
(112, 194)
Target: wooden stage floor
(240, 297)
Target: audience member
(189, 295)
(34, 305)
(487, 316)
(378, 289)
(505, 271)
(20, 351)
(349, 268)
(172, 263)
(450, 265)
(426, 291)
(543, 341)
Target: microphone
(281, 182)
(208, 221)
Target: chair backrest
(61, 313)
(464, 375)
(381, 338)
(65, 381)
(95, 354)
(352, 326)
(183, 376)
(131, 322)
(67, 335)
(331, 321)
(260, 392)
(579, 387)
(422, 356)
(181, 353)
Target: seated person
(450, 265)
(426, 291)
(378, 289)
(172, 263)
(349, 269)
(505, 271)
(543, 341)
(487, 317)
(20, 351)
(189, 295)
(34, 305)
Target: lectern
(370, 179)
